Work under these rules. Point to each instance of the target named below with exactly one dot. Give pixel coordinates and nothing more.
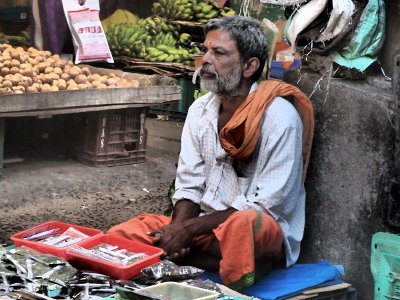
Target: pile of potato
(33, 71)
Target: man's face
(221, 71)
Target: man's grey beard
(227, 86)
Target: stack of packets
(54, 237)
(29, 275)
(111, 254)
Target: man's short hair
(248, 35)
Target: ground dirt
(40, 189)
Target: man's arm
(176, 238)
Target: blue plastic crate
(277, 70)
(15, 14)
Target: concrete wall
(348, 174)
(392, 41)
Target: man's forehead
(218, 38)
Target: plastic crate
(385, 265)
(110, 138)
(173, 290)
(108, 268)
(177, 110)
(277, 70)
(14, 14)
(19, 240)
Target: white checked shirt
(271, 181)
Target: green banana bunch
(162, 39)
(163, 53)
(174, 9)
(226, 12)
(206, 11)
(127, 39)
(156, 24)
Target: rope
(245, 8)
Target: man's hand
(174, 239)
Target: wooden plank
(90, 97)
(74, 110)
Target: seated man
(239, 200)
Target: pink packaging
(89, 39)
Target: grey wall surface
(348, 175)
(392, 40)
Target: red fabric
(242, 237)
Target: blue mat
(281, 283)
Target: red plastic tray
(115, 270)
(18, 238)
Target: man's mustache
(204, 70)
(207, 70)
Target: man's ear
(250, 67)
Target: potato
(40, 58)
(112, 81)
(45, 87)
(86, 71)
(7, 63)
(23, 57)
(71, 82)
(15, 63)
(4, 71)
(41, 66)
(18, 89)
(48, 70)
(94, 77)
(81, 79)
(46, 53)
(6, 84)
(96, 84)
(74, 71)
(65, 76)
(27, 72)
(15, 80)
(26, 81)
(6, 91)
(54, 88)
(83, 86)
(72, 87)
(14, 70)
(62, 84)
(32, 61)
(57, 70)
(31, 89)
(36, 85)
(14, 54)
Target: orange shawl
(240, 135)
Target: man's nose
(205, 59)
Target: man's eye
(203, 49)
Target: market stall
(152, 90)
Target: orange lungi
(242, 237)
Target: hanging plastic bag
(89, 39)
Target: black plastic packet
(168, 271)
